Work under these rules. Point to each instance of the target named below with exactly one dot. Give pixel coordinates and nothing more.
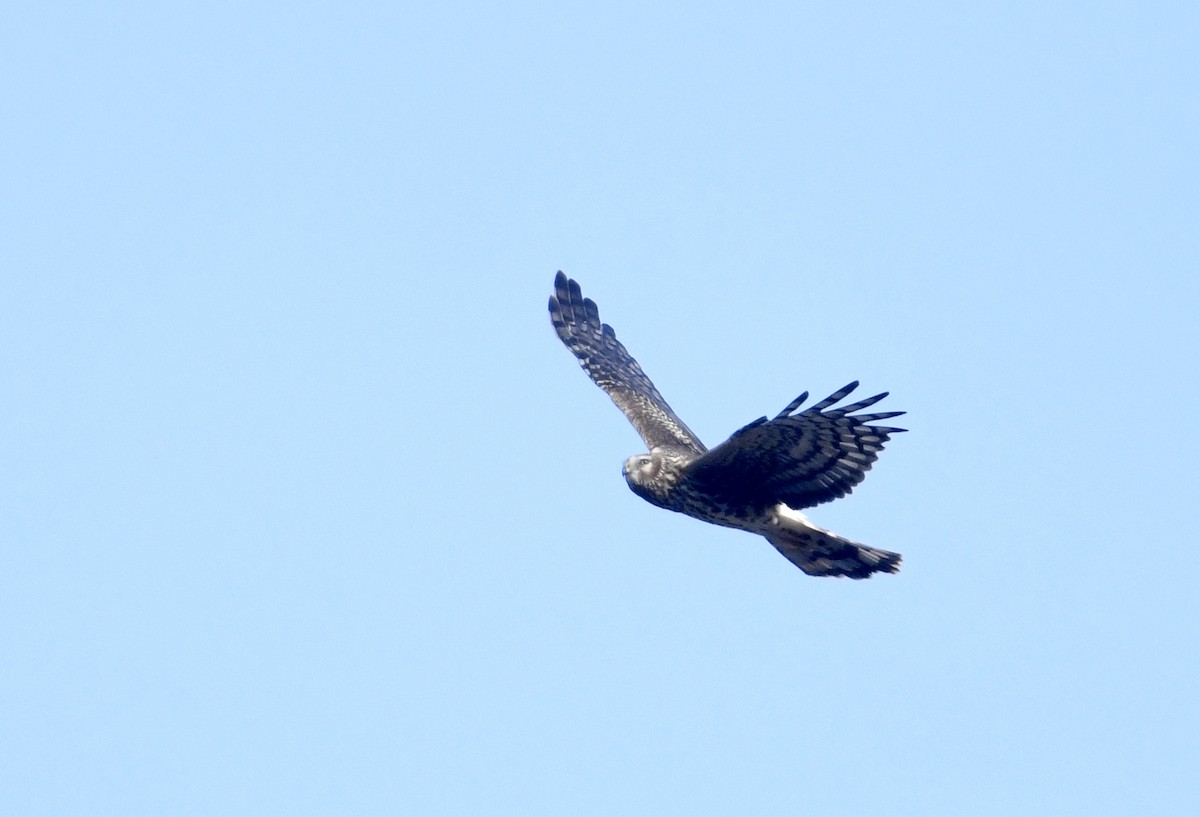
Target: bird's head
(646, 477)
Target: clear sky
(304, 510)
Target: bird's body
(760, 477)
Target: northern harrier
(758, 479)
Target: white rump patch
(787, 514)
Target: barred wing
(802, 459)
(577, 321)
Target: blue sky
(307, 511)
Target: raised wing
(577, 321)
(802, 459)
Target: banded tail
(819, 552)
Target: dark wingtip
(874, 418)
(792, 406)
(560, 304)
(832, 399)
(574, 292)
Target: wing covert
(577, 321)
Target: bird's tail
(819, 552)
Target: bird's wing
(802, 459)
(577, 321)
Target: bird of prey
(761, 477)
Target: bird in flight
(761, 477)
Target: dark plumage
(760, 477)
